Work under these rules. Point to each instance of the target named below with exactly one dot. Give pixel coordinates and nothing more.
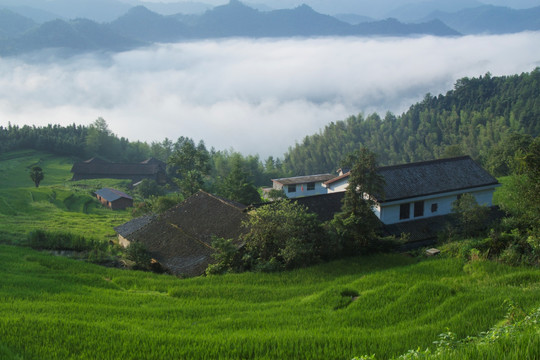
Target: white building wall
(338, 186)
(302, 190)
(389, 213)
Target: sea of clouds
(255, 96)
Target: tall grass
(49, 240)
(56, 308)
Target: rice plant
(57, 308)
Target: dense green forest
(483, 117)
(84, 142)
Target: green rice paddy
(57, 308)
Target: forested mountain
(97, 10)
(139, 26)
(238, 19)
(78, 35)
(411, 12)
(13, 24)
(142, 24)
(479, 117)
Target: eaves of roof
(304, 179)
(331, 181)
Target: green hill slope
(57, 308)
(58, 204)
(475, 118)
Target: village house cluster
(411, 192)
(417, 196)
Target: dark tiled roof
(325, 206)
(433, 177)
(96, 166)
(304, 179)
(181, 238)
(112, 194)
(134, 225)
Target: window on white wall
(404, 211)
(418, 208)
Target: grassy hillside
(57, 308)
(58, 204)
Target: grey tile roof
(181, 237)
(134, 225)
(304, 179)
(112, 194)
(337, 178)
(433, 177)
(325, 206)
(97, 166)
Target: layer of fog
(256, 96)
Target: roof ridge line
(224, 201)
(425, 162)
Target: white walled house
(426, 189)
(302, 185)
(337, 184)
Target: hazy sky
(256, 96)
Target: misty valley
(284, 179)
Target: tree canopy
(356, 224)
(474, 118)
(36, 174)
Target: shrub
(226, 256)
(284, 235)
(137, 252)
(52, 240)
(471, 218)
(148, 188)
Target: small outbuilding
(114, 199)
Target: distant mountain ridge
(490, 19)
(139, 26)
(74, 36)
(13, 24)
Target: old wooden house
(181, 238)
